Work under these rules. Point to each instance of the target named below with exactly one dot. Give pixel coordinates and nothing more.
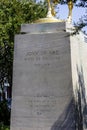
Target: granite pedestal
(42, 95)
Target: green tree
(82, 22)
(12, 14)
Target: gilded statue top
(52, 3)
(51, 12)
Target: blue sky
(78, 12)
(63, 11)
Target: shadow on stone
(81, 106)
(75, 115)
(66, 121)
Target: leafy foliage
(4, 113)
(12, 14)
(82, 22)
(81, 3)
(2, 127)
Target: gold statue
(51, 5)
(52, 13)
(70, 7)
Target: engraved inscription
(42, 55)
(41, 106)
(37, 57)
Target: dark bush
(4, 113)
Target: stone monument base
(42, 96)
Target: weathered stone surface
(79, 76)
(46, 27)
(42, 82)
